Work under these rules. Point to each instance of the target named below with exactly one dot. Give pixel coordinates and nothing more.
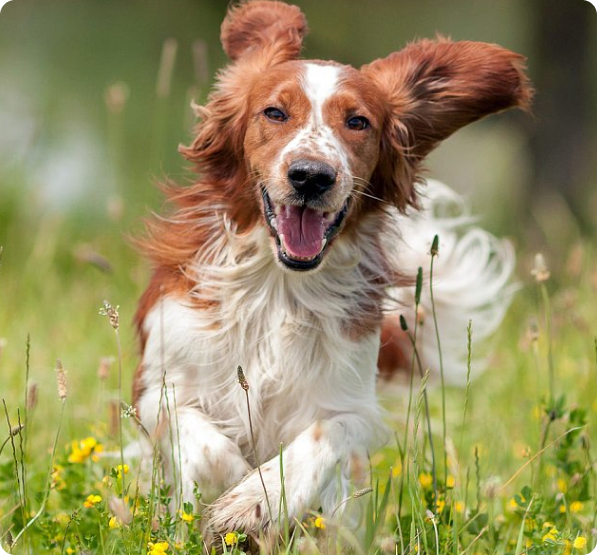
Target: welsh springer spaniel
(294, 254)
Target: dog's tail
(471, 282)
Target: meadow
(517, 474)
(503, 465)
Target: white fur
(471, 279)
(312, 388)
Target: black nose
(311, 178)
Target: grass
(513, 450)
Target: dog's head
(307, 146)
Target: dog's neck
(240, 273)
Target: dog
(294, 254)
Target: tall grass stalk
(469, 350)
(157, 454)
(427, 412)
(242, 380)
(48, 476)
(162, 90)
(550, 362)
(114, 318)
(25, 418)
(283, 506)
(404, 450)
(18, 476)
(434, 252)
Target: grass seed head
(61, 380)
(16, 430)
(116, 96)
(435, 246)
(32, 396)
(103, 370)
(241, 379)
(112, 314)
(540, 271)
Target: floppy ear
(256, 35)
(432, 89)
(264, 27)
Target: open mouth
(302, 234)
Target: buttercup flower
(82, 450)
(551, 535)
(580, 542)
(576, 506)
(92, 501)
(186, 517)
(231, 538)
(158, 548)
(120, 470)
(319, 522)
(426, 480)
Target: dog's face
(311, 144)
(307, 147)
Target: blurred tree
(561, 136)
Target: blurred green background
(94, 99)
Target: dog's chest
(300, 365)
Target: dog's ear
(432, 89)
(269, 29)
(256, 35)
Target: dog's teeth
(277, 209)
(274, 223)
(329, 216)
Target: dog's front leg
(309, 479)
(194, 450)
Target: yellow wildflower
(319, 523)
(70, 550)
(120, 470)
(84, 449)
(459, 507)
(562, 485)
(92, 501)
(158, 548)
(186, 517)
(425, 479)
(114, 523)
(231, 538)
(439, 506)
(58, 482)
(551, 535)
(397, 469)
(450, 481)
(576, 506)
(580, 542)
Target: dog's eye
(275, 114)
(357, 123)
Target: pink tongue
(303, 230)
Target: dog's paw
(244, 508)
